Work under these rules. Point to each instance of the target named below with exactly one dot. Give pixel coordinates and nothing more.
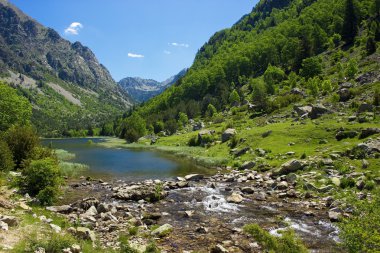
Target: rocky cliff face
(58, 70)
(142, 90)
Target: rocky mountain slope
(142, 90)
(65, 81)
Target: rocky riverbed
(202, 214)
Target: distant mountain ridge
(64, 81)
(142, 90)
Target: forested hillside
(68, 87)
(280, 45)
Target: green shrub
(194, 141)
(347, 182)
(21, 141)
(234, 141)
(124, 245)
(6, 157)
(287, 243)
(370, 185)
(361, 232)
(133, 230)
(152, 248)
(52, 243)
(42, 179)
(311, 67)
(352, 69)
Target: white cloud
(167, 52)
(175, 44)
(74, 28)
(132, 55)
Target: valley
(269, 142)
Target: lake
(124, 164)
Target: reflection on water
(125, 164)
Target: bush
(21, 141)
(6, 157)
(352, 69)
(42, 179)
(361, 232)
(287, 243)
(311, 67)
(52, 243)
(193, 142)
(347, 183)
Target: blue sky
(145, 38)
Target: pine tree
(350, 25)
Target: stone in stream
(247, 190)
(235, 198)
(194, 177)
(162, 230)
(334, 216)
(103, 208)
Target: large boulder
(228, 134)
(344, 95)
(341, 135)
(303, 110)
(248, 165)
(194, 177)
(65, 209)
(317, 111)
(365, 108)
(139, 192)
(288, 167)
(368, 132)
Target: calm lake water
(125, 164)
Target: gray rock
(317, 111)
(260, 196)
(235, 198)
(248, 165)
(288, 167)
(344, 95)
(365, 108)
(4, 226)
(162, 230)
(369, 132)
(10, 220)
(218, 249)
(334, 216)
(65, 209)
(85, 233)
(55, 228)
(92, 211)
(103, 208)
(228, 134)
(291, 178)
(283, 185)
(247, 190)
(341, 135)
(194, 177)
(302, 110)
(75, 248)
